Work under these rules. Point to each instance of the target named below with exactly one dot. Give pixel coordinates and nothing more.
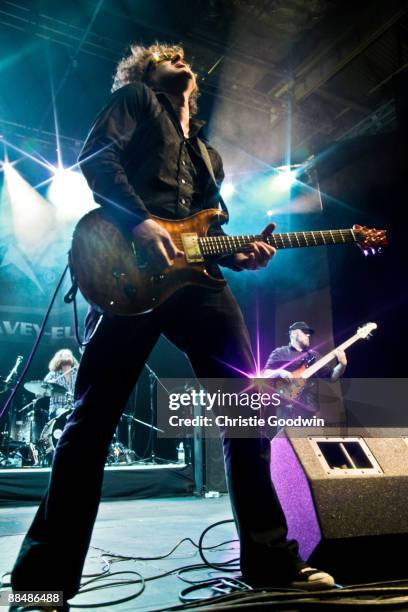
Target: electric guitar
(294, 386)
(111, 273)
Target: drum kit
(31, 437)
(29, 441)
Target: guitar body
(299, 371)
(291, 388)
(112, 276)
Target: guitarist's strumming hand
(257, 254)
(155, 245)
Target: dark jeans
(210, 328)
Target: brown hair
(55, 362)
(135, 67)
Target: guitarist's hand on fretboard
(340, 368)
(257, 254)
(341, 357)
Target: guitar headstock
(370, 241)
(366, 330)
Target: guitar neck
(320, 363)
(228, 245)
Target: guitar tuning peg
(370, 251)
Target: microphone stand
(9, 381)
(7, 432)
(154, 459)
(132, 418)
(6, 435)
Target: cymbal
(44, 389)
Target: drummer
(63, 369)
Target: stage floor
(143, 528)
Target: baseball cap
(303, 326)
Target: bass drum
(53, 431)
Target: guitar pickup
(191, 248)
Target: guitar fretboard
(227, 245)
(315, 367)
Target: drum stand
(5, 460)
(30, 443)
(23, 448)
(118, 451)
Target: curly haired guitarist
(146, 155)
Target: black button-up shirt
(138, 162)
(288, 358)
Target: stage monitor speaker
(345, 501)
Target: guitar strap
(207, 160)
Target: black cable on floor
(216, 584)
(274, 599)
(110, 584)
(194, 585)
(159, 557)
(257, 599)
(226, 566)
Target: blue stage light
(284, 179)
(227, 190)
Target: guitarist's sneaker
(312, 579)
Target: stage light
(227, 190)
(6, 166)
(269, 213)
(32, 218)
(284, 179)
(70, 194)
